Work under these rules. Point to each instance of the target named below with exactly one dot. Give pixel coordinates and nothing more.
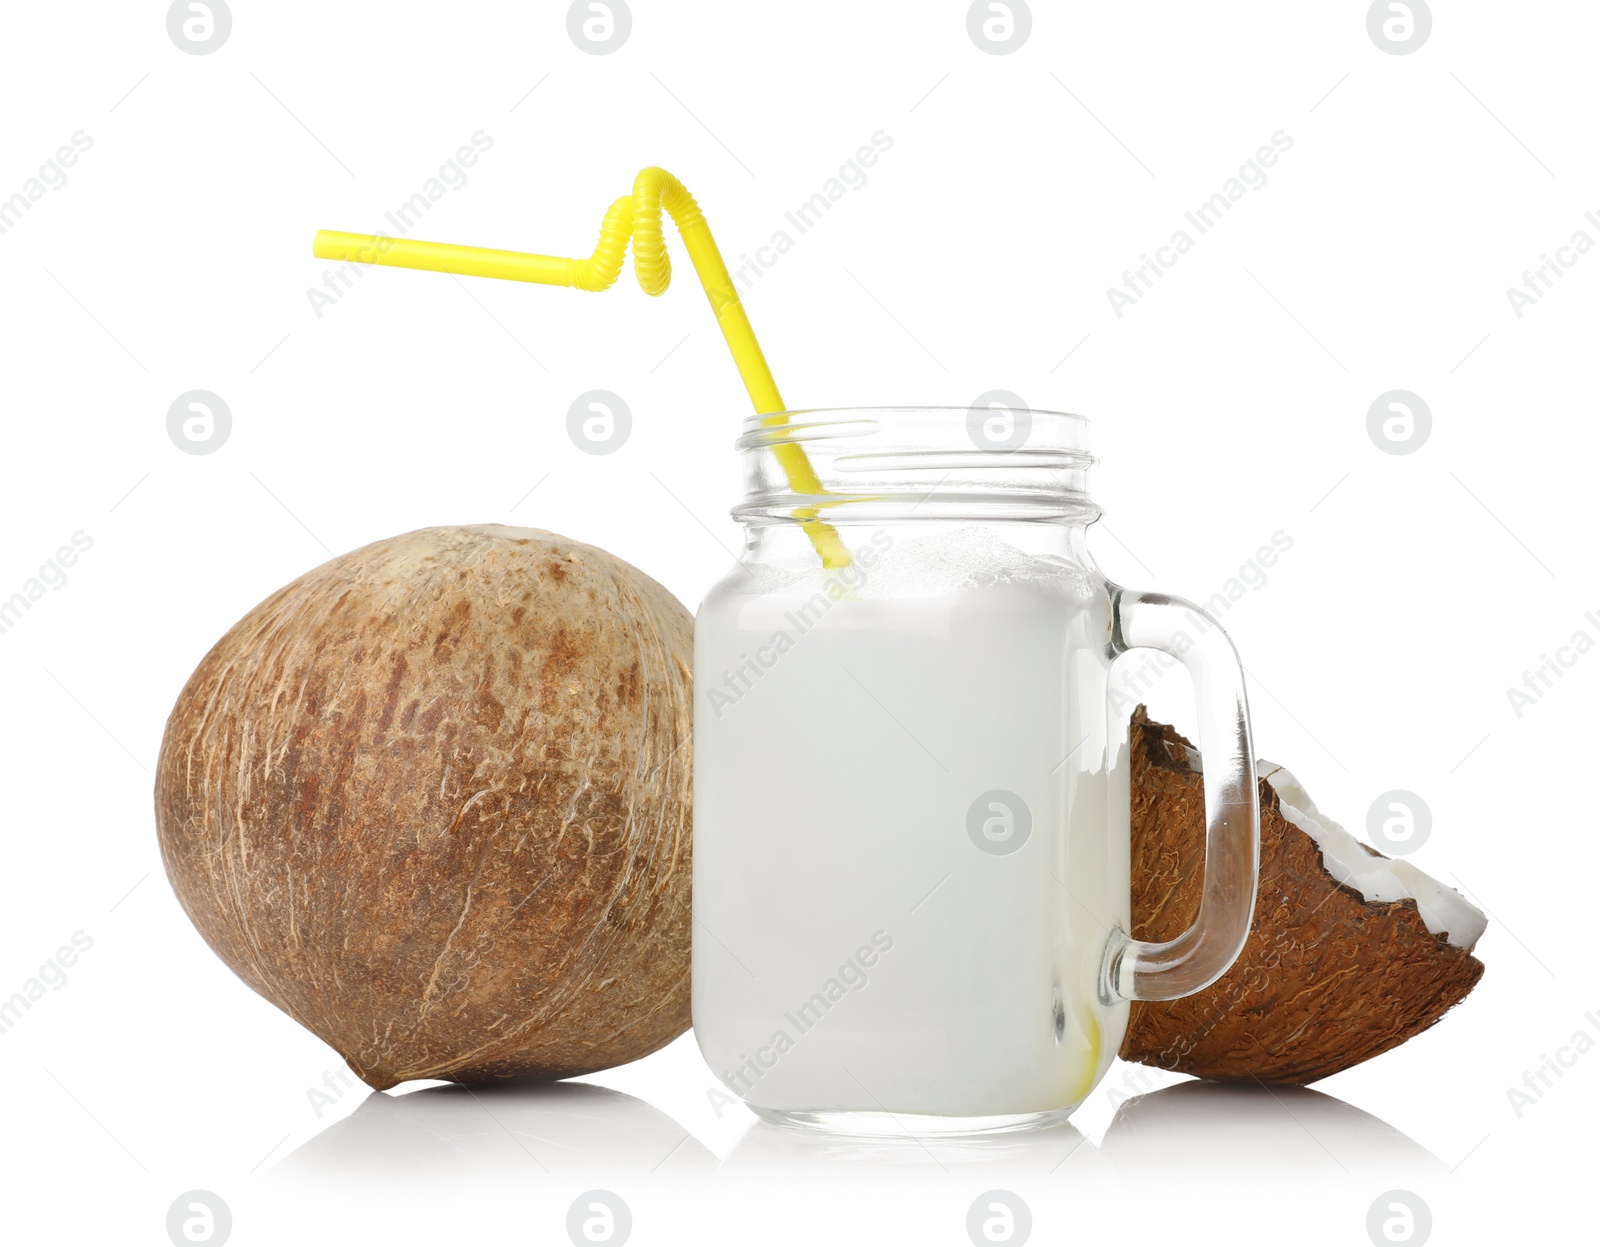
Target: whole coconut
(433, 801)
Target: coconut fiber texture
(432, 800)
(1326, 979)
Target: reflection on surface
(514, 1130)
(433, 1165)
(1204, 1129)
(563, 1132)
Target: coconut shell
(1326, 979)
(432, 800)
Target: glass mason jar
(911, 893)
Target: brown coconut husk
(432, 800)
(1326, 980)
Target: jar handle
(1140, 969)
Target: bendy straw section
(633, 219)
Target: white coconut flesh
(1444, 910)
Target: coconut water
(910, 831)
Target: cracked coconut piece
(1350, 953)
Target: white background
(1229, 403)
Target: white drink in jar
(910, 831)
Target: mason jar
(911, 891)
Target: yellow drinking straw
(636, 216)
